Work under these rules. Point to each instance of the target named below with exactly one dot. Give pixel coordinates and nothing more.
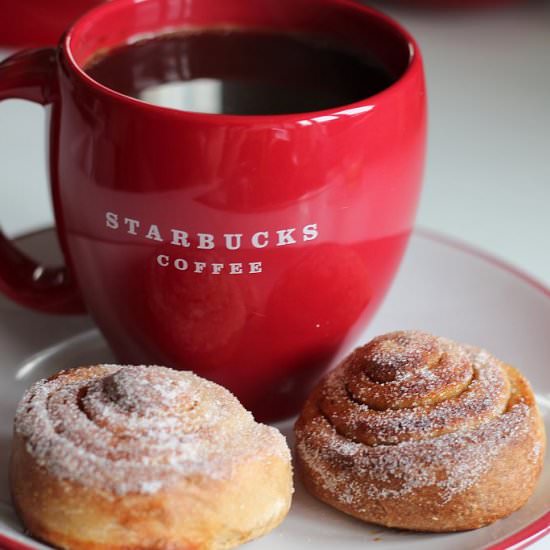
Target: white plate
(443, 287)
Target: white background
(488, 173)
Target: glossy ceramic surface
(247, 249)
(441, 287)
(38, 22)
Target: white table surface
(488, 173)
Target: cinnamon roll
(419, 432)
(112, 457)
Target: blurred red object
(38, 22)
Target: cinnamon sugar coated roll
(112, 457)
(419, 432)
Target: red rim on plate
(524, 537)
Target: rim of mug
(366, 104)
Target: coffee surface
(239, 72)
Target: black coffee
(239, 72)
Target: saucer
(443, 286)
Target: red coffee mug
(245, 248)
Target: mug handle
(31, 75)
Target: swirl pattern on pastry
(413, 422)
(138, 429)
(411, 386)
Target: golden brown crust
(421, 433)
(185, 506)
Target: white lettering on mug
(255, 267)
(154, 233)
(181, 265)
(256, 239)
(233, 241)
(206, 241)
(180, 238)
(163, 260)
(310, 232)
(132, 225)
(111, 220)
(209, 241)
(285, 236)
